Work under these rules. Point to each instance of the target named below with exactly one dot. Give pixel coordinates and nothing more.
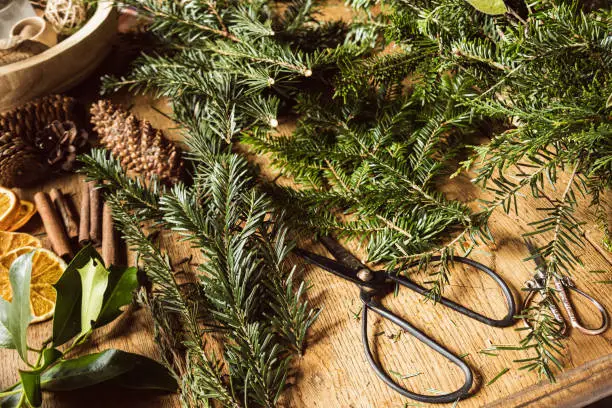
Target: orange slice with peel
(25, 212)
(47, 268)
(10, 241)
(9, 206)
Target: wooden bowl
(62, 66)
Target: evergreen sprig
(377, 131)
(366, 170)
(549, 78)
(545, 79)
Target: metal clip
(566, 282)
(534, 288)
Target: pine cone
(20, 163)
(60, 142)
(29, 119)
(136, 144)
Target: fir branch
(143, 199)
(204, 368)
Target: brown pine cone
(138, 146)
(29, 119)
(20, 163)
(60, 142)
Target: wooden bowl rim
(102, 13)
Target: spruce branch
(143, 199)
(204, 368)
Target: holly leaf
(67, 316)
(85, 371)
(6, 340)
(94, 280)
(30, 381)
(11, 401)
(492, 7)
(19, 315)
(121, 285)
(147, 374)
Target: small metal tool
(538, 283)
(374, 285)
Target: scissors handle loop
(506, 321)
(560, 285)
(552, 306)
(375, 306)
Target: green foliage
(18, 313)
(77, 314)
(492, 7)
(244, 241)
(67, 314)
(94, 279)
(367, 164)
(376, 132)
(89, 295)
(547, 77)
(122, 282)
(6, 339)
(85, 371)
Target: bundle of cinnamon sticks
(94, 225)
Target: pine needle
(497, 377)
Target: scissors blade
(535, 255)
(330, 265)
(341, 253)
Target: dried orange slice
(9, 205)
(25, 212)
(47, 268)
(15, 240)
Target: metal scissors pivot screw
(376, 284)
(538, 283)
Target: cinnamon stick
(70, 224)
(95, 207)
(53, 225)
(109, 237)
(84, 220)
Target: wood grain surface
(334, 371)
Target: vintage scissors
(538, 282)
(374, 285)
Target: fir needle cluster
(376, 131)
(369, 156)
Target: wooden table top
(334, 371)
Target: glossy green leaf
(12, 401)
(19, 315)
(67, 317)
(108, 365)
(6, 340)
(492, 7)
(94, 280)
(121, 285)
(30, 381)
(49, 356)
(147, 374)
